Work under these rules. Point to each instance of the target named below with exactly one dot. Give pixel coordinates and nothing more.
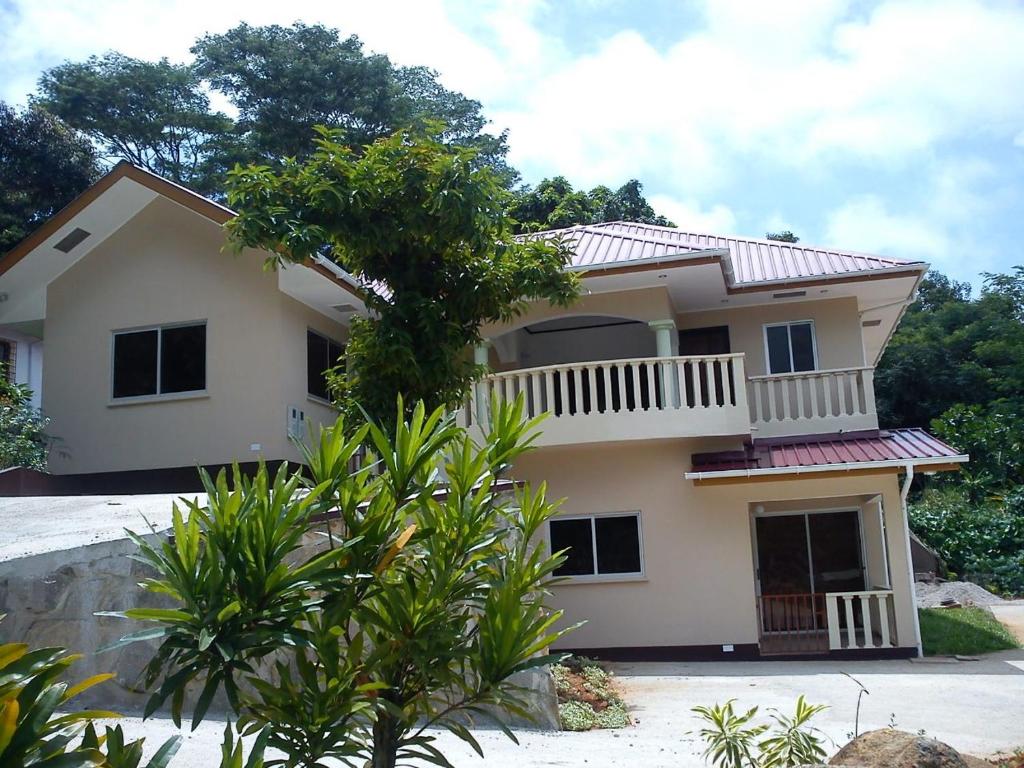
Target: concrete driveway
(975, 706)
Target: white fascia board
(846, 466)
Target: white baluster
(865, 610)
(835, 641)
(883, 618)
(851, 630)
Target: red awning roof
(894, 447)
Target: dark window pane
(573, 535)
(135, 364)
(802, 335)
(316, 363)
(618, 544)
(778, 349)
(183, 359)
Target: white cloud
(688, 214)
(865, 224)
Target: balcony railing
(813, 401)
(642, 398)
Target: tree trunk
(385, 741)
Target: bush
(426, 599)
(733, 741)
(983, 541)
(587, 696)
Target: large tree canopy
(153, 114)
(423, 227)
(284, 81)
(554, 204)
(951, 349)
(43, 165)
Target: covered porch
(822, 576)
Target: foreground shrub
(36, 729)
(427, 597)
(587, 696)
(734, 741)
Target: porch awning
(845, 452)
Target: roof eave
(949, 462)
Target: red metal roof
(894, 445)
(750, 260)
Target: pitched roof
(181, 195)
(870, 449)
(746, 261)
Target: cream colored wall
(699, 573)
(166, 266)
(836, 327)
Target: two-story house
(711, 411)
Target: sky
(894, 127)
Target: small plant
(34, 733)
(734, 741)
(587, 696)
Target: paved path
(974, 705)
(1012, 616)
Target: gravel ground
(964, 592)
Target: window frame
(160, 396)
(310, 395)
(584, 578)
(789, 337)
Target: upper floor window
(322, 354)
(598, 545)
(790, 347)
(164, 360)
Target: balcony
(813, 402)
(633, 399)
(677, 397)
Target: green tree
(286, 80)
(554, 204)
(23, 438)
(153, 114)
(44, 164)
(427, 599)
(784, 236)
(951, 349)
(423, 228)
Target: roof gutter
(845, 466)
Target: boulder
(889, 748)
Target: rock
(889, 748)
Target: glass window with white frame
(598, 545)
(160, 360)
(790, 347)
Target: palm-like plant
(427, 599)
(33, 733)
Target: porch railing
(792, 623)
(860, 619)
(843, 397)
(638, 395)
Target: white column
(481, 354)
(663, 332)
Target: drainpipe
(904, 492)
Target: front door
(800, 557)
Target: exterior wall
(836, 328)
(167, 266)
(698, 588)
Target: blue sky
(894, 127)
